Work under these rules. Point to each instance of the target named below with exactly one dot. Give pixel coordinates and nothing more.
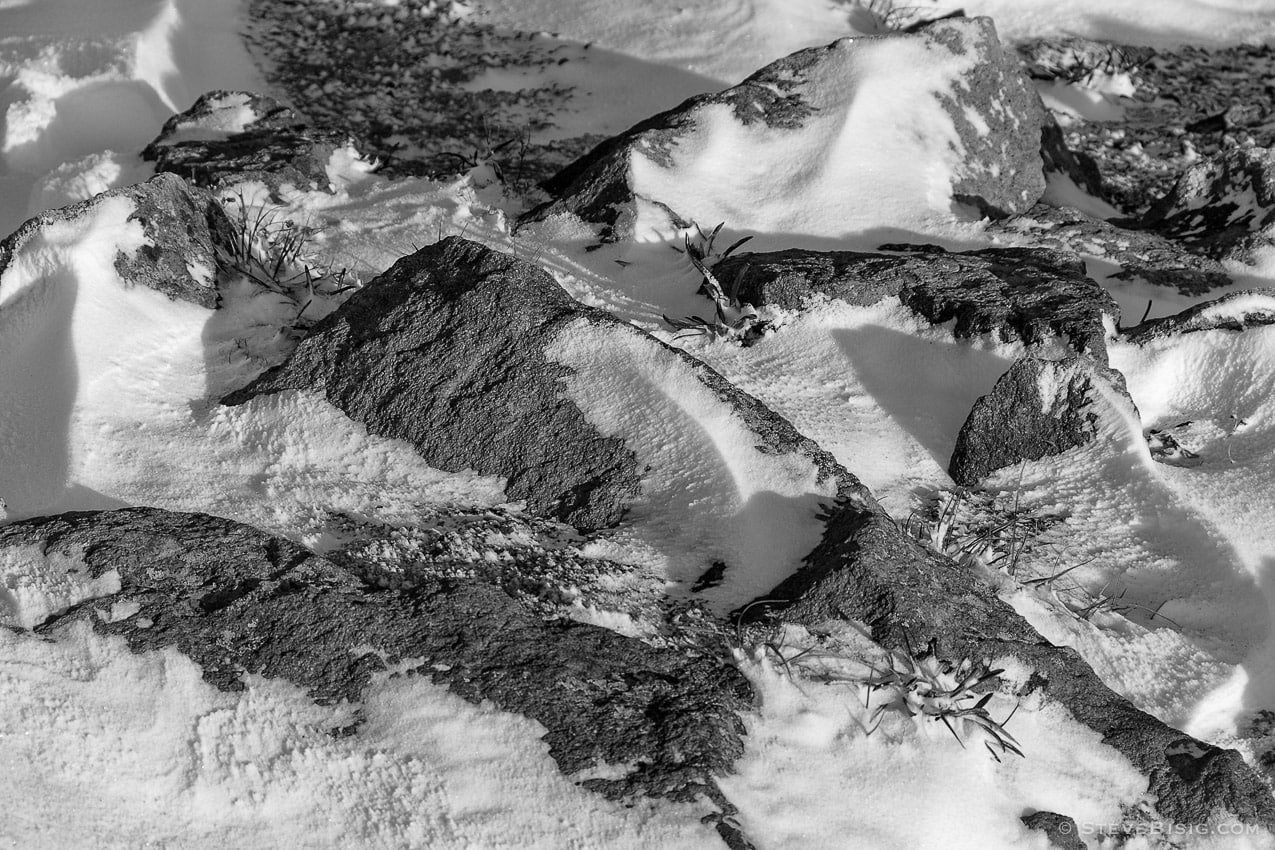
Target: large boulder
(228, 137)
(1224, 206)
(1027, 294)
(184, 231)
(453, 350)
(782, 151)
(1037, 408)
(238, 601)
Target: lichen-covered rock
(1027, 294)
(1236, 311)
(1223, 207)
(230, 136)
(183, 228)
(1037, 408)
(1143, 255)
(989, 144)
(236, 600)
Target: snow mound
(816, 144)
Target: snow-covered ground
(108, 397)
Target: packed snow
(1162, 575)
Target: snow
(109, 397)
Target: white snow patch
(709, 494)
(35, 585)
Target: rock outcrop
(1060, 829)
(183, 228)
(1026, 294)
(236, 600)
(1037, 408)
(230, 136)
(994, 151)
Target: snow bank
(137, 750)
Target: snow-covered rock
(1028, 294)
(239, 602)
(1037, 408)
(912, 598)
(233, 136)
(180, 229)
(1223, 206)
(826, 140)
(1235, 311)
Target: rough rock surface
(1037, 408)
(869, 571)
(1002, 167)
(1060, 829)
(1235, 311)
(183, 227)
(1026, 294)
(447, 350)
(1142, 254)
(1223, 207)
(237, 600)
(229, 137)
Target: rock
(1222, 207)
(993, 150)
(867, 570)
(1027, 294)
(1060, 829)
(1060, 159)
(1237, 311)
(1142, 254)
(1037, 408)
(1074, 58)
(449, 351)
(236, 600)
(229, 137)
(183, 228)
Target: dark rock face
(183, 227)
(1223, 207)
(1001, 171)
(1236, 311)
(234, 599)
(212, 144)
(1060, 829)
(869, 571)
(1025, 294)
(1037, 408)
(447, 351)
(1143, 254)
